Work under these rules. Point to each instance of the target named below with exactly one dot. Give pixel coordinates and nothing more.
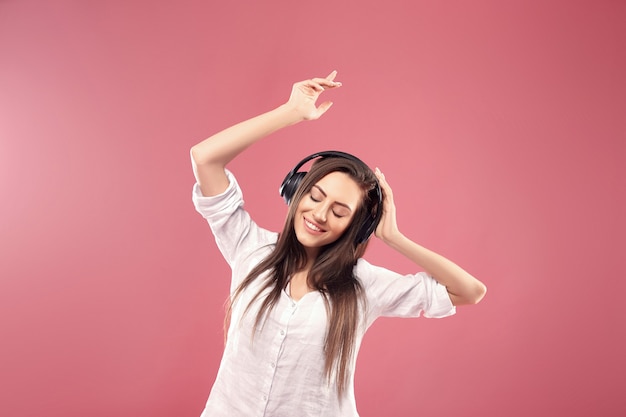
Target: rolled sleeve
(440, 302)
(390, 294)
(235, 233)
(218, 208)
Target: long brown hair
(332, 271)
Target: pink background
(500, 125)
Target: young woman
(302, 300)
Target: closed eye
(337, 214)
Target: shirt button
(265, 398)
(273, 365)
(282, 332)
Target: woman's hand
(387, 229)
(304, 94)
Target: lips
(312, 227)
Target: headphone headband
(293, 179)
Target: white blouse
(279, 370)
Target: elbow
(195, 155)
(470, 296)
(478, 293)
(205, 155)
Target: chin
(307, 242)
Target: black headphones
(294, 178)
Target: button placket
(285, 315)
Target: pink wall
(500, 126)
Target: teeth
(312, 226)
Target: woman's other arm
(210, 157)
(462, 287)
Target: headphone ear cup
(364, 232)
(290, 186)
(370, 225)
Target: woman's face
(326, 211)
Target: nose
(319, 214)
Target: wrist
(289, 114)
(394, 239)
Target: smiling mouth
(312, 226)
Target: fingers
(329, 81)
(388, 227)
(381, 177)
(384, 185)
(321, 84)
(314, 83)
(324, 83)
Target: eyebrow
(336, 202)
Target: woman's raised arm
(210, 156)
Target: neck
(311, 256)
